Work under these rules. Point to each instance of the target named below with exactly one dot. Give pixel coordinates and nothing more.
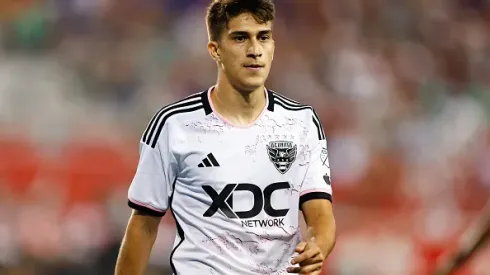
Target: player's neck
(240, 108)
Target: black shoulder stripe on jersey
(290, 108)
(168, 114)
(287, 99)
(318, 128)
(205, 101)
(318, 124)
(147, 135)
(270, 96)
(291, 104)
(314, 196)
(294, 106)
(154, 133)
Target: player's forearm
(323, 230)
(320, 220)
(136, 245)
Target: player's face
(245, 52)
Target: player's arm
(320, 239)
(148, 195)
(137, 243)
(320, 222)
(474, 242)
(316, 205)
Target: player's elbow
(332, 231)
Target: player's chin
(252, 83)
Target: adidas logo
(209, 161)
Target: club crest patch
(282, 154)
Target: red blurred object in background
(90, 169)
(19, 163)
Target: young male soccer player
(234, 163)
(469, 248)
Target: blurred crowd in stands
(402, 88)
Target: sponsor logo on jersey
(278, 222)
(282, 154)
(223, 201)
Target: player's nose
(254, 50)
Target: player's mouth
(254, 67)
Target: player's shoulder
(291, 106)
(192, 106)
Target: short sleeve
(316, 183)
(151, 186)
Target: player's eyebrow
(244, 33)
(269, 31)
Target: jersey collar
(209, 108)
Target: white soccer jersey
(235, 192)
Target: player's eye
(264, 37)
(239, 38)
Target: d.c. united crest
(282, 154)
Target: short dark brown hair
(220, 12)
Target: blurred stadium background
(403, 88)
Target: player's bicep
(316, 209)
(144, 222)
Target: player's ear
(213, 49)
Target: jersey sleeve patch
(318, 125)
